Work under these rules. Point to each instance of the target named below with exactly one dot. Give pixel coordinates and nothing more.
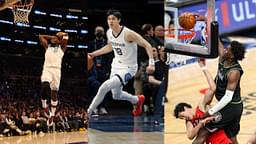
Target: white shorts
(125, 74)
(52, 75)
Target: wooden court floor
(79, 137)
(184, 86)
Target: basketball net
(21, 11)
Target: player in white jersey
(55, 47)
(123, 42)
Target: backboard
(201, 41)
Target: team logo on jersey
(127, 77)
(220, 75)
(217, 118)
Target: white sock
(44, 103)
(53, 107)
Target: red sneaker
(138, 107)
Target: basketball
(89, 62)
(4, 4)
(187, 21)
(60, 35)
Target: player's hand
(199, 17)
(208, 119)
(201, 62)
(92, 55)
(150, 69)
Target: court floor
(125, 129)
(79, 137)
(184, 86)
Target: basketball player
(229, 106)
(194, 117)
(55, 47)
(123, 42)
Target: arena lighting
(75, 10)
(5, 39)
(56, 15)
(82, 46)
(32, 42)
(39, 27)
(22, 25)
(84, 31)
(70, 31)
(6, 22)
(19, 41)
(54, 29)
(84, 18)
(39, 12)
(71, 17)
(70, 46)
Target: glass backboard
(202, 40)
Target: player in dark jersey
(229, 107)
(195, 117)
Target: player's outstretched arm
(135, 37)
(44, 40)
(221, 49)
(212, 86)
(104, 50)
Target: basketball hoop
(21, 11)
(183, 35)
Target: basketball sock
(119, 94)
(53, 107)
(44, 103)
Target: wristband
(151, 61)
(65, 37)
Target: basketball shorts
(52, 75)
(228, 119)
(124, 74)
(218, 137)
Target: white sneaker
(95, 113)
(103, 111)
(6, 130)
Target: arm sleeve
(222, 103)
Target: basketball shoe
(137, 109)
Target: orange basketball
(89, 62)
(187, 21)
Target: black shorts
(229, 119)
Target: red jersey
(218, 137)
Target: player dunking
(55, 47)
(194, 117)
(124, 65)
(230, 105)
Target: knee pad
(45, 90)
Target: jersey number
(118, 51)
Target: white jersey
(125, 52)
(53, 56)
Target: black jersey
(222, 80)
